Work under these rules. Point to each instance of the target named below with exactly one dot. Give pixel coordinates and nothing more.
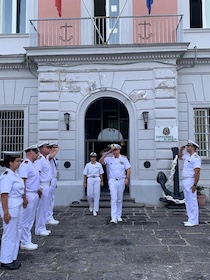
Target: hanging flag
(149, 3)
(58, 6)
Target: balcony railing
(106, 30)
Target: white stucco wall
(143, 86)
(19, 91)
(154, 86)
(194, 84)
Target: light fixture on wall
(67, 119)
(145, 117)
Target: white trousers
(29, 214)
(42, 209)
(93, 192)
(117, 188)
(10, 241)
(191, 202)
(51, 198)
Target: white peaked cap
(193, 143)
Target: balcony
(106, 31)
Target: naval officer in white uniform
(119, 174)
(93, 180)
(30, 176)
(45, 175)
(53, 163)
(11, 206)
(190, 176)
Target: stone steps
(128, 202)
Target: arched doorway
(106, 122)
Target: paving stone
(150, 244)
(152, 257)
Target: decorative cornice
(192, 62)
(15, 61)
(194, 57)
(20, 66)
(117, 54)
(116, 58)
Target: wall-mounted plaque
(166, 133)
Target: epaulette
(5, 172)
(26, 161)
(195, 155)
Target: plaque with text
(166, 133)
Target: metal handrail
(106, 30)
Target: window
(106, 113)
(199, 14)
(12, 129)
(202, 131)
(196, 14)
(12, 16)
(206, 17)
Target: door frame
(105, 136)
(133, 125)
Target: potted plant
(201, 196)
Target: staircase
(128, 202)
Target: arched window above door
(109, 134)
(107, 113)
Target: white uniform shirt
(44, 168)
(92, 170)
(12, 184)
(28, 170)
(190, 163)
(117, 166)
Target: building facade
(105, 63)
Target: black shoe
(17, 263)
(10, 266)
